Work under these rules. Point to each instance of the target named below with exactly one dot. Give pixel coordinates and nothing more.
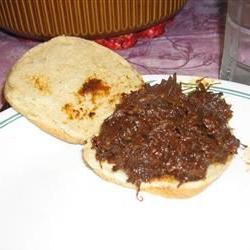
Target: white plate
(50, 200)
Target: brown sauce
(93, 86)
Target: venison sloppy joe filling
(159, 131)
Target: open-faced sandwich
(152, 138)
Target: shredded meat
(159, 131)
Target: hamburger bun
(68, 86)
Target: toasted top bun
(68, 86)
(166, 186)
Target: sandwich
(156, 139)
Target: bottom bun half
(165, 186)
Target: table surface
(191, 45)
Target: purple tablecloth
(192, 45)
